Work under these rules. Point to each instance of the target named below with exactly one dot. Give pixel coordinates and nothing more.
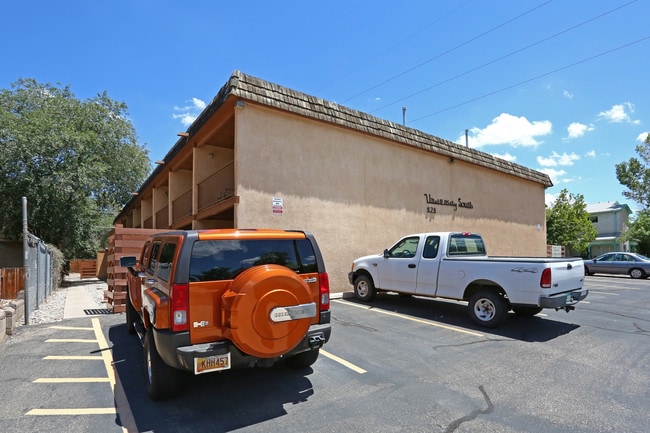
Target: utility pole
(25, 262)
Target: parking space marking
(413, 319)
(121, 403)
(73, 358)
(85, 411)
(343, 362)
(69, 328)
(71, 380)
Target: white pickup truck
(456, 266)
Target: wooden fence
(11, 282)
(85, 268)
(122, 242)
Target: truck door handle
(412, 265)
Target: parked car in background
(632, 264)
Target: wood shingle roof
(254, 89)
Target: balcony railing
(182, 206)
(218, 187)
(162, 218)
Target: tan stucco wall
(358, 194)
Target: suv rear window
(223, 259)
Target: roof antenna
(404, 116)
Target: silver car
(634, 265)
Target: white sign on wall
(278, 205)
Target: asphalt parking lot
(396, 364)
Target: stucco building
(263, 155)
(610, 219)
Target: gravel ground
(51, 310)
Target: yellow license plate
(212, 363)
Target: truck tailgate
(566, 275)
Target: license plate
(569, 298)
(212, 363)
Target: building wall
(358, 193)
(611, 222)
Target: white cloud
(553, 174)
(549, 199)
(591, 154)
(578, 129)
(509, 129)
(642, 137)
(506, 156)
(556, 159)
(567, 94)
(189, 113)
(619, 113)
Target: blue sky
(559, 86)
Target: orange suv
(211, 300)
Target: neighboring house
(610, 219)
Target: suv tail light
(324, 291)
(545, 281)
(180, 307)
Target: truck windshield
(462, 244)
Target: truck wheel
(131, 315)
(637, 273)
(364, 289)
(526, 311)
(487, 309)
(303, 359)
(163, 381)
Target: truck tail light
(545, 281)
(324, 291)
(180, 307)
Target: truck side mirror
(386, 253)
(128, 261)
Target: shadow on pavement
(452, 313)
(215, 402)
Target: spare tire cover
(256, 292)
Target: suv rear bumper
(176, 350)
(562, 300)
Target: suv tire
(163, 381)
(252, 297)
(303, 359)
(131, 315)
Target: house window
(593, 219)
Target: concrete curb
(3, 326)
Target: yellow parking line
(413, 319)
(121, 402)
(71, 328)
(72, 380)
(85, 411)
(342, 361)
(73, 357)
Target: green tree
(638, 230)
(635, 175)
(75, 161)
(568, 223)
